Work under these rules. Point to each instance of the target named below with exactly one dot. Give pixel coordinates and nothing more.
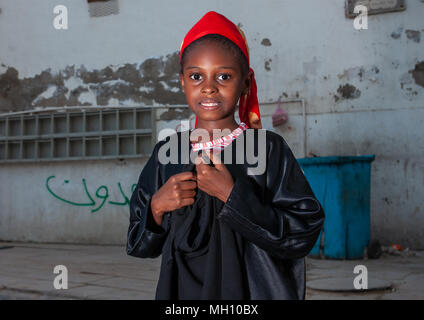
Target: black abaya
(251, 247)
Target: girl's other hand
(215, 181)
(177, 192)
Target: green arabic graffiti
(102, 193)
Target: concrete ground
(106, 272)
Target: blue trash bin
(342, 185)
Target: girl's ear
(247, 83)
(182, 81)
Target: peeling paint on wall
(413, 35)
(361, 74)
(266, 42)
(347, 91)
(410, 79)
(418, 73)
(267, 63)
(155, 80)
(397, 33)
(407, 85)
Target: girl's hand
(215, 181)
(177, 192)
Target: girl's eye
(224, 76)
(195, 76)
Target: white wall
(314, 53)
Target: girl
(224, 233)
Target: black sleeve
(285, 222)
(145, 237)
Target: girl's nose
(209, 87)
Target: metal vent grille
(103, 134)
(102, 8)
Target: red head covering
(215, 23)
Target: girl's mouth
(209, 104)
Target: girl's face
(212, 80)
